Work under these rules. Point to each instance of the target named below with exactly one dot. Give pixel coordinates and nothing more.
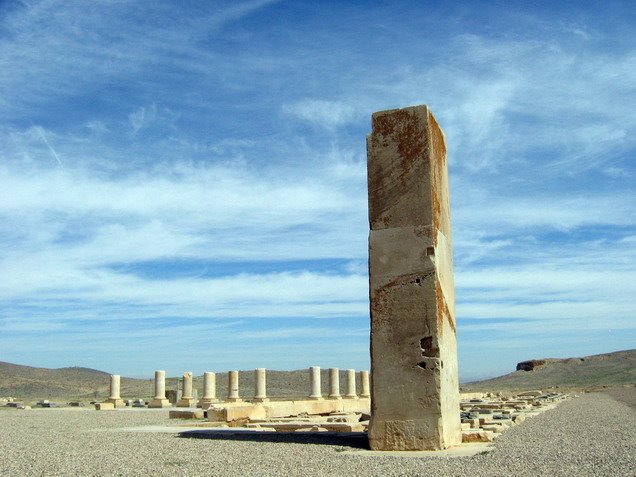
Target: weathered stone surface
(282, 409)
(192, 414)
(209, 390)
(477, 436)
(260, 384)
(160, 391)
(233, 387)
(187, 400)
(314, 378)
(234, 413)
(334, 383)
(115, 387)
(104, 406)
(365, 388)
(414, 388)
(351, 384)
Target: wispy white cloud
(330, 114)
(141, 117)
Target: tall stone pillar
(334, 383)
(351, 384)
(160, 391)
(260, 394)
(187, 400)
(115, 390)
(365, 390)
(209, 391)
(233, 387)
(314, 378)
(414, 385)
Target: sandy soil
(592, 435)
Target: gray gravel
(593, 435)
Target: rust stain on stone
(442, 309)
(402, 126)
(441, 212)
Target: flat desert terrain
(590, 435)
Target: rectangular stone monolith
(414, 381)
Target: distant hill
(598, 370)
(26, 382)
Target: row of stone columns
(260, 395)
(334, 384)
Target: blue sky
(183, 186)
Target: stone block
(116, 402)
(236, 412)
(477, 436)
(159, 403)
(186, 402)
(518, 419)
(104, 406)
(194, 414)
(415, 390)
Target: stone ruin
(415, 387)
(484, 416)
(412, 400)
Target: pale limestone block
(415, 390)
(104, 406)
(285, 409)
(233, 413)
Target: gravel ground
(592, 435)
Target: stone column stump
(260, 394)
(233, 387)
(334, 383)
(314, 381)
(209, 391)
(160, 391)
(187, 400)
(115, 389)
